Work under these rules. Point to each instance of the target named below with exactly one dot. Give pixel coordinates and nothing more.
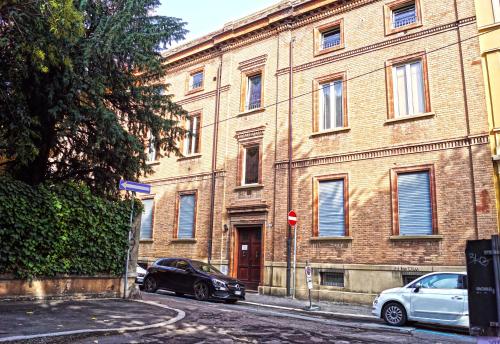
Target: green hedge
(60, 229)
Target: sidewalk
(81, 316)
(334, 308)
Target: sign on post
(292, 218)
(309, 277)
(134, 187)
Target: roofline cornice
(283, 17)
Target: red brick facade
(450, 136)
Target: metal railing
(407, 20)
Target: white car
(139, 279)
(436, 298)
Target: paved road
(212, 322)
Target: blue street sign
(135, 187)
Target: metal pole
(125, 282)
(294, 258)
(495, 247)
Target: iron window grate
(332, 278)
(410, 277)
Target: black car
(185, 276)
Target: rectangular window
(192, 140)
(332, 278)
(404, 16)
(251, 165)
(331, 208)
(330, 38)
(409, 277)
(147, 219)
(152, 153)
(496, 10)
(196, 80)
(408, 86)
(254, 92)
(414, 203)
(186, 216)
(331, 105)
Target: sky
(205, 16)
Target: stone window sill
(391, 31)
(249, 112)
(410, 118)
(330, 132)
(416, 237)
(343, 238)
(189, 157)
(247, 187)
(186, 241)
(194, 90)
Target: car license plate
(237, 292)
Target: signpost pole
(125, 282)
(294, 259)
(495, 247)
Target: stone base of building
(361, 283)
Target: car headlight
(218, 284)
(376, 300)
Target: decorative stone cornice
(286, 16)
(184, 179)
(387, 151)
(250, 133)
(243, 209)
(379, 45)
(202, 96)
(252, 63)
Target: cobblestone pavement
(213, 322)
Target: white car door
(439, 299)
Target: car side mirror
(417, 287)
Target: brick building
(373, 114)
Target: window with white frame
(404, 15)
(152, 154)
(331, 208)
(414, 203)
(251, 165)
(496, 10)
(186, 215)
(330, 38)
(254, 92)
(408, 88)
(147, 219)
(192, 140)
(196, 80)
(331, 114)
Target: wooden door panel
(249, 257)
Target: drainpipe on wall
(214, 161)
(467, 121)
(290, 155)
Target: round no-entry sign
(292, 218)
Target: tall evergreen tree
(82, 89)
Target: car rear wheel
(201, 291)
(394, 314)
(150, 285)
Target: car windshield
(205, 267)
